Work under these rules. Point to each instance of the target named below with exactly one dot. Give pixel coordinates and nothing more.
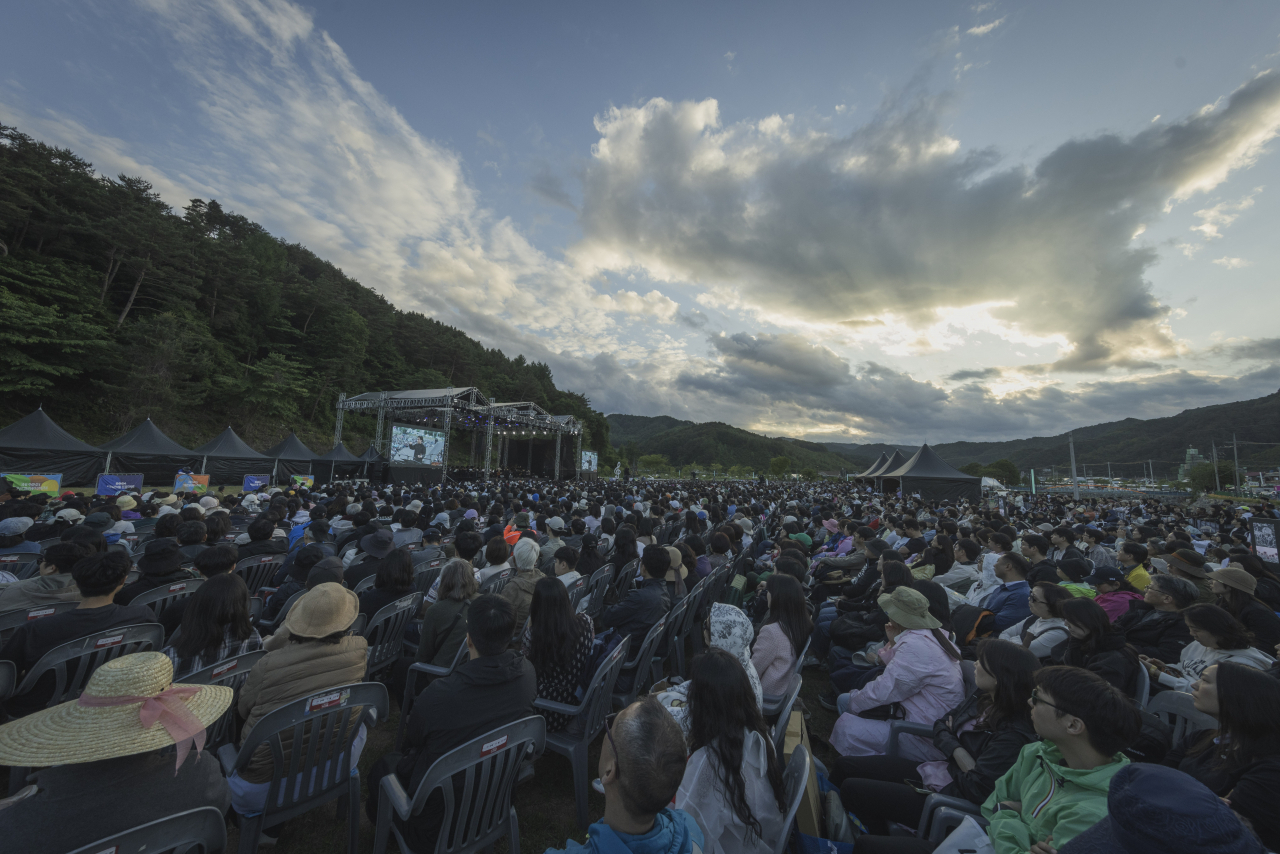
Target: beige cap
(323, 610)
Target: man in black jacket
(495, 686)
(642, 607)
(261, 541)
(1035, 549)
(1154, 626)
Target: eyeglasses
(1037, 701)
(608, 731)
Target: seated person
(558, 645)
(160, 566)
(52, 585)
(1057, 788)
(644, 605)
(1154, 627)
(394, 581)
(299, 569)
(1096, 645)
(1216, 636)
(495, 686)
(1045, 628)
(726, 628)
(642, 763)
(102, 771)
(191, 539)
(262, 540)
(732, 784)
(99, 578)
(214, 626)
(981, 739)
(783, 635)
(1240, 759)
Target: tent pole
(106, 468)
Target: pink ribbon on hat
(170, 709)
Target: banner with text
(114, 484)
(256, 482)
(29, 482)
(186, 482)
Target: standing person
(732, 783)
(784, 634)
(1098, 646)
(558, 646)
(215, 625)
(1233, 590)
(1216, 636)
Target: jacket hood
(492, 669)
(671, 834)
(1093, 779)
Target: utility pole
(1075, 481)
(1235, 453)
(1152, 466)
(1213, 449)
(1108, 474)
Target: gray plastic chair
(1144, 688)
(21, 565)
(794, 779)
(597, 587)
(231, 673)
(11, 620)
(773, 702)
(202, 829)
(595, 706)
(418, 671)
(625, 579)
(687, 627)
(323, 728)
(73, 663)
(385, 632)
(1179, 710)
(426, 575)
(479, 812)
(577, 590)
(258, 570)
(662, 651)
(364, 584)
(270, 627)
(497, 581)
(784, 716)
(159, 598)
(641, 664)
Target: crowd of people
(1022, 637)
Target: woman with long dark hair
(784, 634)
(624, 548)
(1234, 591)
(1096, 645)
(1216, 636)
(558, 646)
(393, 581)
(589, 559)
(732, 782)
(215, 625)
(980, 738)
(1268, 588)
(1240, 760)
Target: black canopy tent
(227, 459)
(337, 464)
(291, 457)
(935, 479)
(37, 445)
(875, 467)
(148, 451)
(374, 463)
(892, 463)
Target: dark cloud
(1263, 349)
(978, 374)
(549, 186)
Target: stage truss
(467, 409)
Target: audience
(394, 581)
(215, 625)
(1216, 636)
(1233, 589)
(1045, 628)
(647, 603)
(1098, 646)
(558, 645)
(1154, 627)
(783, 636)
(52, 584)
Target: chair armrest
(552, 706)
(396, 796)
(899, 728)
(227, 755)
(934, 805)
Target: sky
(844, 221)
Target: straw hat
(325, 609)
(125, 502)
(76, 732)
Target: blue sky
(855, 221)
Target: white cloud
(984, 28)
(1221, 215)
(1231, 263)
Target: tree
(809, 473)
(653, 462)
(1004, 471)
(778, 466)
(1201, 476)
(972, 469)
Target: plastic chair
(898, 729)
(162, 597)
(942, 814)
(21, 565)
(595, 705)
(689, 625)
(478, 812)
(416, 672)
(1179, 710)
(780, 726)
(258, 570)
(8, 680)
(642, 666)
(597, 587)
(11, 620)
(425, 577)
(316, 766)
(497, 581)
(625, 579)
(577, 590)
(1144, 688)
(183, 832)
(794, 778)
(270, 627)
(232, 673)
(663, 650)
(364, 584)
(73, 663)
(385, 632)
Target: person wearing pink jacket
(922, 673)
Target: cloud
(984, 28)
(1231, 263)
(975, 374)
(1221, 215)
(791, 222)
(1263, 349)
(550, 187)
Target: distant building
(1194, 458)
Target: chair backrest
(165, 595)
(19, 564)
(674, 618)
(312, 737)
(8, 680)
(231, 673)
(966, 671)
(11, 620)
(597, 587)
(1179, 709)
(73, 663)
(577, 589)
(626, 578)
(258, 570)
(780, 727)
(642, 661)
(202, 829)
(794, 779)
(385, 632)
(598, 699)
(1144, 688)
(497, 581)
(425, 575)
(364, 584)
(416, 673)
(275, 625)
(487, 768)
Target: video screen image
(416, 445)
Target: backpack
(1153, 742)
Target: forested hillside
(113, 308)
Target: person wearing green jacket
(1058, 786)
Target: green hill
(683, 442)
(113, 308)
(1126, 444)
